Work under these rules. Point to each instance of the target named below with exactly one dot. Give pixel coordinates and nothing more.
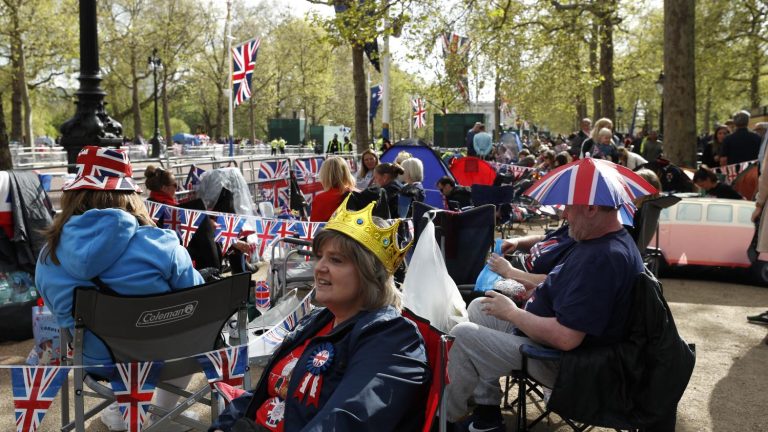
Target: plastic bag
(488, 277)
(428, 290)
(47, 349)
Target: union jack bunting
(264, 234)
(419, 113)
(731, 172)
(282, 229)
(307, 172)
(265, 344)
(273, 179)
(226, 365)
(172, 219)
(309, 230)
(243, 63)
(133, 385)
(190, 221)
(456, 56)
(156, 211)
(228, 231)
(34, 389)
(262, 294)
(193, 177)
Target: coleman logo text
(166, 315)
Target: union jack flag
(133, 385)
(193, 178)
(228, 231)
(307, 171)
(34, 389)
(172, 219)
(226, 365)
(262, 294)
(282, 229)
(243, 63)
(157, 211)
(419, 113)
(273, 182)
(190, 221)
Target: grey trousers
(485, 350)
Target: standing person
(482, 142)
(368, 162)
(584, 132)
(273, 145)
(281, 145)
(334, 145)
(161, 184)
(104, 231)
(711, 154)
(742, 145)
(707, 180)
(651, 148)
(356, 363)
(337, 182)
(347, 146)
(470, 139)
(761, 224)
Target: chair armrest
(539, 353)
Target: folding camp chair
(465, 238)
(437, 345)
(655, 365)
(290, 266)
(647, 227)
(197, 316)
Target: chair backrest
(437, 345)
(483, 194)
(163, 326)
(648, 221)
(465, 238)
(266, 209)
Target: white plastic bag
(428, 289)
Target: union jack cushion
(101, 168)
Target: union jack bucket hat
(102, 168)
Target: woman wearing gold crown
(355, 364)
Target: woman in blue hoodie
(104, 231)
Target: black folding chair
(198, 316)
(647, 226)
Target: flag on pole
(376, 95)
(419, 113)
(193, 178)
(243, 63)
(34, 389)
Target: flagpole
(385, 116)
(229, 89)
(410, 116)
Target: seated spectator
(527, 161)
(354, 363)
(104, 231)
(161, 184)
(337, 182)
(368, 160)
(630, 159)
(707, 180)
(461, 195)
(385, 176)
(562, 158)
(572, 308)
(547, 161)
(413, 175)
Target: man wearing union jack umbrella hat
(583, 302)
(104, 231)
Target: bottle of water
(5, 290)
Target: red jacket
(325, 203)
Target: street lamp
(619, 112)
(155, 64)
(660, 90)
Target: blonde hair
(377, 286)
(77, 202)
(414, 169)
(155, 178)
(600, 124)
(604, 132)
(402, 156)
(335, 174)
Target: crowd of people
(356, 363)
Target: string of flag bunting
(730, 172)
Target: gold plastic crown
(360, 226)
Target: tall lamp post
(619, 112)
(155, 64)
(91, 125)
(660, 90)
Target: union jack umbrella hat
(102, 168)
(590, 181)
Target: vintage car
(710, 232)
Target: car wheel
(760, 272)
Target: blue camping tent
(434, 167)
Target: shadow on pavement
(735, 396)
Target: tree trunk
(581, 111)
(679, 82)
(361, 111)
(607, 95)
(28, 132)
(754, 78)
(6, 162)
(17, 129)
(597, 111)
(708, 110)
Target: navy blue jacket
(377, 380)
